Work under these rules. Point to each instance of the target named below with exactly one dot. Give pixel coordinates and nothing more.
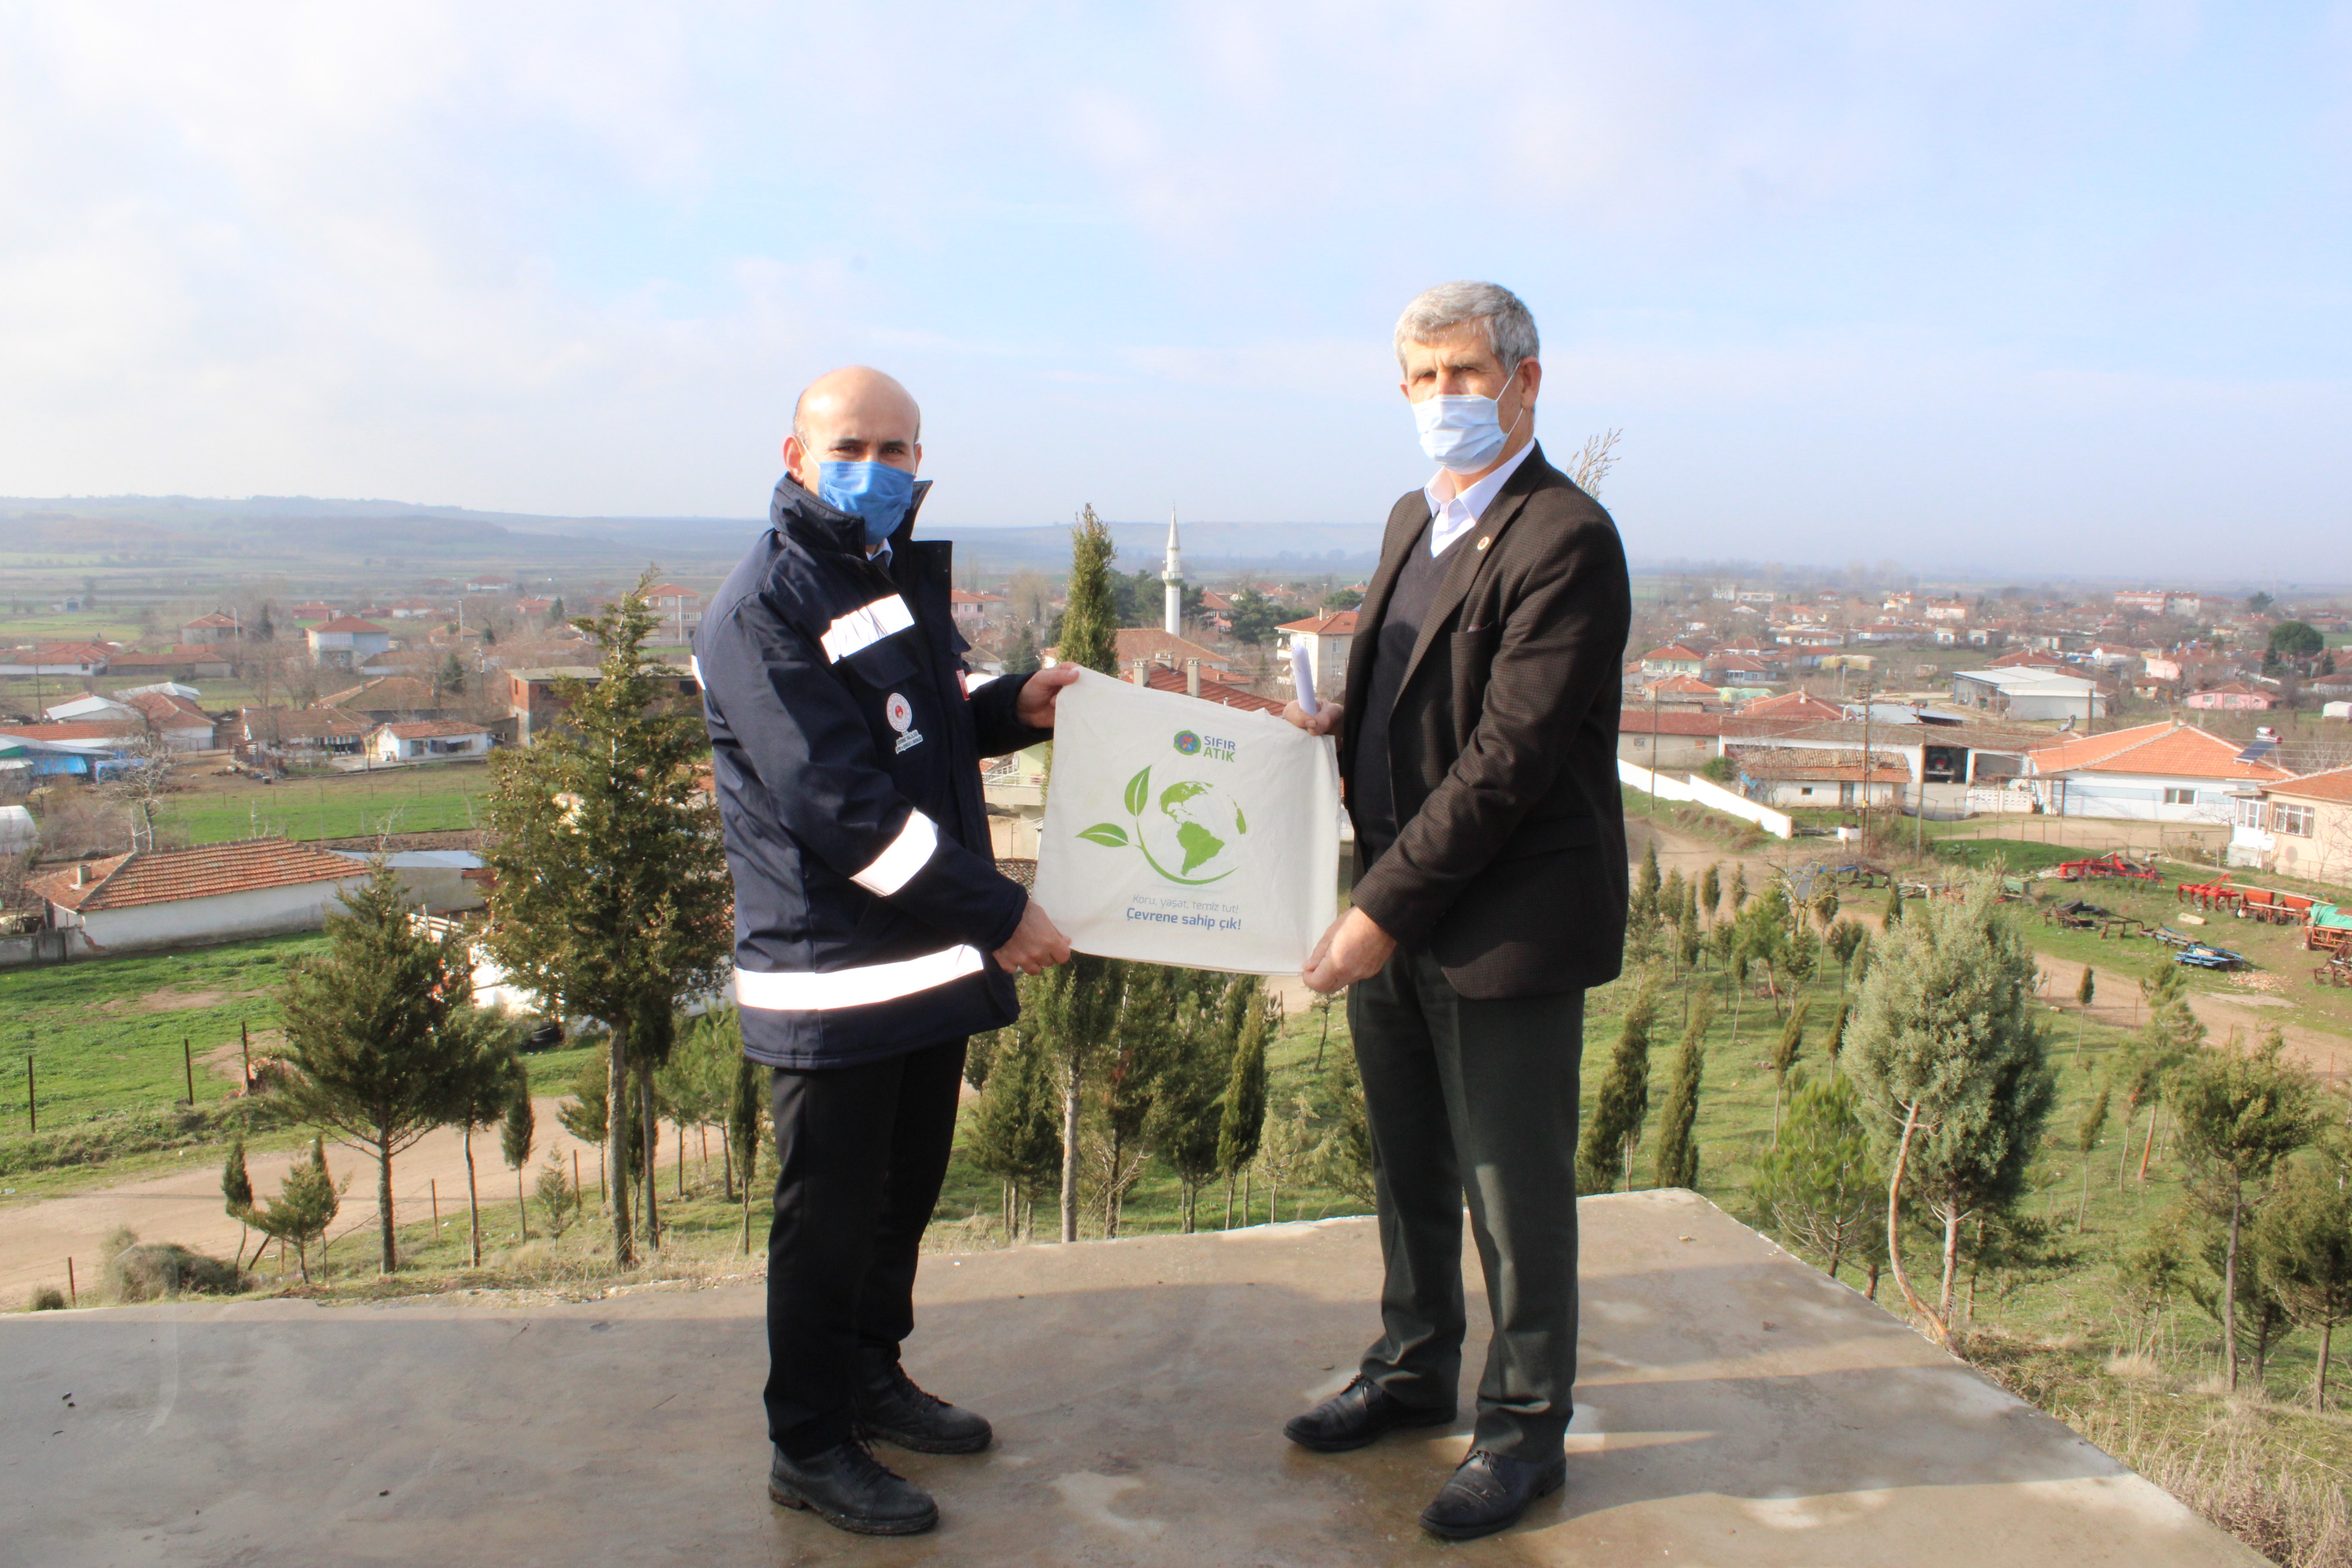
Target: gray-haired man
(1478, 739)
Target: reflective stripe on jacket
(845, 749)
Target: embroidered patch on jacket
(901, 714)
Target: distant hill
(286, 530)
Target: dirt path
(37, 1237)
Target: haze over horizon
(2065, 291)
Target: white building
(2029, 692)
(214, 892)
(1327, 639)
(424, 740)
(2150, 773)
(347, 641)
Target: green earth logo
(1194, 827)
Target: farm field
(338, 806)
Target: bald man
(873, 932)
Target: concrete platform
(1739, 1409)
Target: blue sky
(2019, 288)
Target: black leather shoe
(889, 1407)
(1361, 1412)
(850, 1489)
(1489, 1493)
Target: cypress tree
(1241, 1125)
(1738, 887)
(1710, 890)
(1090, 621)
(1187, 1113)
(1646, 888)
(2085, 991)
(1015, 1133)
(745, 1110)
(1675, 1162)
(236, 1186)
(518, 1131)
(1785, 1051)
(1893, 915)
(1624, 1101)
(377, 1054)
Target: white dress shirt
(1451, 516)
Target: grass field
(341, 805)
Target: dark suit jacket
(1509, 862)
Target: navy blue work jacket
(846, 740)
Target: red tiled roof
(72, 652)
(2334, 784)
(1668, 722)
(1684, 686)
(347, 624)
(1801, 762)
(961, 596)
(298, 723)
(428, 729)
(1671, 651)
(162, 708)
(214, 622)
(1791, 705)
(672, 591)
(395, 693)
(1165, 679)
(206, 871)
(169, 660)
(2185, 751)
(1338, 624)
(1153, 646)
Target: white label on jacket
(901, 714)
(866, 626)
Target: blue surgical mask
(1462, 432)
(875, 493)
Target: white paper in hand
(1185, 831)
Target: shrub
(47, 1299)
(159, 1270)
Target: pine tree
(1834, 1045)
(1142, 1044)
(237, 1188)
(1893, 915)
(305, 1204)
(1675, 1162)
(2304, 1241)
(558, 1201)
(518, 1131)
(1710, 890)
(1953, 1072)
(1818, 1185)
(1738, 887)
(2172, 1035)
(2240, 1114)
(369, 1024)
(1846, 940)
(612, 898)
(1242, 1126)
(1646, 887)
(1622, 1102)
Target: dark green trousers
(1474, 1100)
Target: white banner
(1185, 831)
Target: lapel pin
(1485, 540)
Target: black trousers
(863, 1150)
(1473, 1099)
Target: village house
(678, 607)
(533, 704)
(2029, 693)
(2298, 827)
(300, 734)
(188, 661)
(428, 739)
(387, 699)
(214, 892)
(347, 642)
(2151, 772)
(2236, 697)
(1671, 739)
(1327, 639)
(1787, 777)
(174, 719)
(973, 612)
(1673, 659)
(208, 630)
(82, 658)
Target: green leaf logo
(1109, 832)
(1138, 793)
